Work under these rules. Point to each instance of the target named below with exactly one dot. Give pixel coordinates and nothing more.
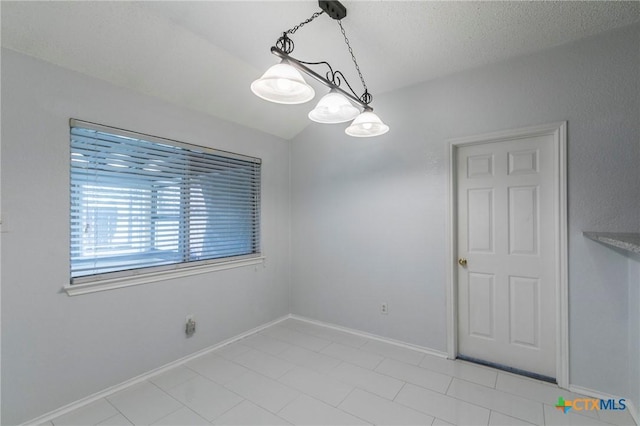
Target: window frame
(129, 277)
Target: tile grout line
(347, 395)
(351, 414)
(225, 411)
(185, 405)
(415, 384)
(404, 383)
(287, 404)
(469, 402)
(449, 396)
(169, 395)
(446, 392)
(119, 412)
(492, 409)
(194, 412)
(495, 383)
(181, 383)
(378, 364)
(398, 393)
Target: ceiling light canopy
(283, 83)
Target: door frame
(559, 133)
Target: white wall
(369, 215)
(57, 349)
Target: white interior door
(507, 203)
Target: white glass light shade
(283, 84)
(366, 125)
(333, 108)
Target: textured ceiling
(204, 55)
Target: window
(139, 201)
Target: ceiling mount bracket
(333, 8)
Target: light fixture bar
(302, 67)
(283, 83)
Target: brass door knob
(462, 261)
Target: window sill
(129, 281)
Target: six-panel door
(506, 232)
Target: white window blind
(141, 203)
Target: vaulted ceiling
(204, 55)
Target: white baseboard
(145, 376)
(599, 395)
(423, 349)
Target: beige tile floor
(301, 373)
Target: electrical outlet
(190, 327)
(384, 309)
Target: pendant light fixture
(367, 124)
(283, 83)
(333, 108)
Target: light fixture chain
(301, 24)
(346, 40)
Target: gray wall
(368, 216)
(634, 331)
(57, 349)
